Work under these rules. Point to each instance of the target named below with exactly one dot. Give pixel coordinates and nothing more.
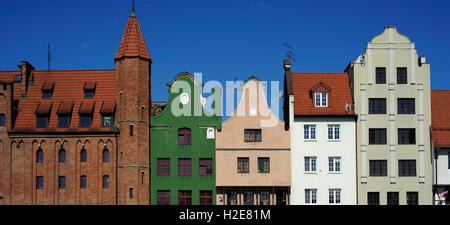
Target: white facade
(441, 178)
(324, 181)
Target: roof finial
(133, 12)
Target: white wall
(443, 173)
(322, 148)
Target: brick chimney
(26, 68)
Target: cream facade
(386, 183)
(253, 153)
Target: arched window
(62, 155)
(184, 136)
(105, 181)
(83, 156)
(40, 156)
(106, 155)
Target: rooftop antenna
(49, 58)
(133, 11)
(291, 52)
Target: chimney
(26, 68)
(287, 65)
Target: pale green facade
(392, 50)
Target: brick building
(78, 136)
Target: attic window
(43, 114)
(64, 113)
(89, 89)
(47, 90)
(108, 109)
(321, 99)
(85, 112)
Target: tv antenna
(291, 52)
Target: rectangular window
(42, 121)
(184, 167)
(163, 167)
(334, 132)
(252, 135)
(243, 165)
(381, 75)
(310, 132)
(131, 130)
(206, 167)
(89, 94)
(185, 198)
(248, 198)
(131, 193)
(63, 121)
(406, 136)
(107, 120)
(83, 182)
(310, 196)
(105, 181)
(310, 164)
(378, 168)
(321, 99)
(334, 196)
(62, 182)
(373, 198)
(206, 197)
(334, 164)
(377, 106)
(163, 197)
(263, 165)
(2, 120)
(412, 198)
(232, 198)
(39, 182)
(377, 136)
(406, 168)
(402, 75)
(264, 198)
(47, 94)
(406, 106)
(85, 120)
(392, 198)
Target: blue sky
(225, 40)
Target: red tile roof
(336, 84)
(87, 107)
(90, 85)
(440, 118)
(65, 107)
(108, 107)
(132, 43)
(43, 108)
(47, 86)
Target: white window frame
(310, 159)
(309, 194)
(307, 132)
(321, 102)
(335, 159)
(333, 194)
(334, 128)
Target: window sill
(335, 172)
(310, 140)
(334, 140)
(311, 172)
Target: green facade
(164, 143)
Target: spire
(133, 12)
(133, 43)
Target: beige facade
(255, 186)
(392, 50)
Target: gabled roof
(339, 97)
(132, 43)
(440, 118)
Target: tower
(133, 71)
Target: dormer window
(43, 114)
(321, 99)
(85, 112)
(64, 114)
(47, 90)
(108, 111)
(89, 89)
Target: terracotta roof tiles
(440, 118)
(132, 43)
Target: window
(107, 120)
(105, 181)
(47, 94)
(321, 99)
(381, 75)
(2, 120)
(392, 198)
(310, 132)
(40, 156)
(334, 164)
(83, 182)
(206, 167)
(378, 168)
(41, 121)
(373, 198)
(185, 198)
(402, 75)
(163, 167)
(131, 130)
(249, 198)
(310, 164)
(63, 121)
(412, 198)
(89, 94)
(263, 165)
(310, 196)
(184, 136)
(406, 168)
(264, 198)
(105, 155)
(131, 193)
(39, 182)
(377, 136)
(184, 167)
(252, 135)
(206, 197)
(406, 136)
(83, 155)
(334, 132)
(377, 106)
(163, 197)
(62, 182)
(232, 198)
(62, 156)
(243, 165)
(406, 106)
(334, 196)
(85, 120)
